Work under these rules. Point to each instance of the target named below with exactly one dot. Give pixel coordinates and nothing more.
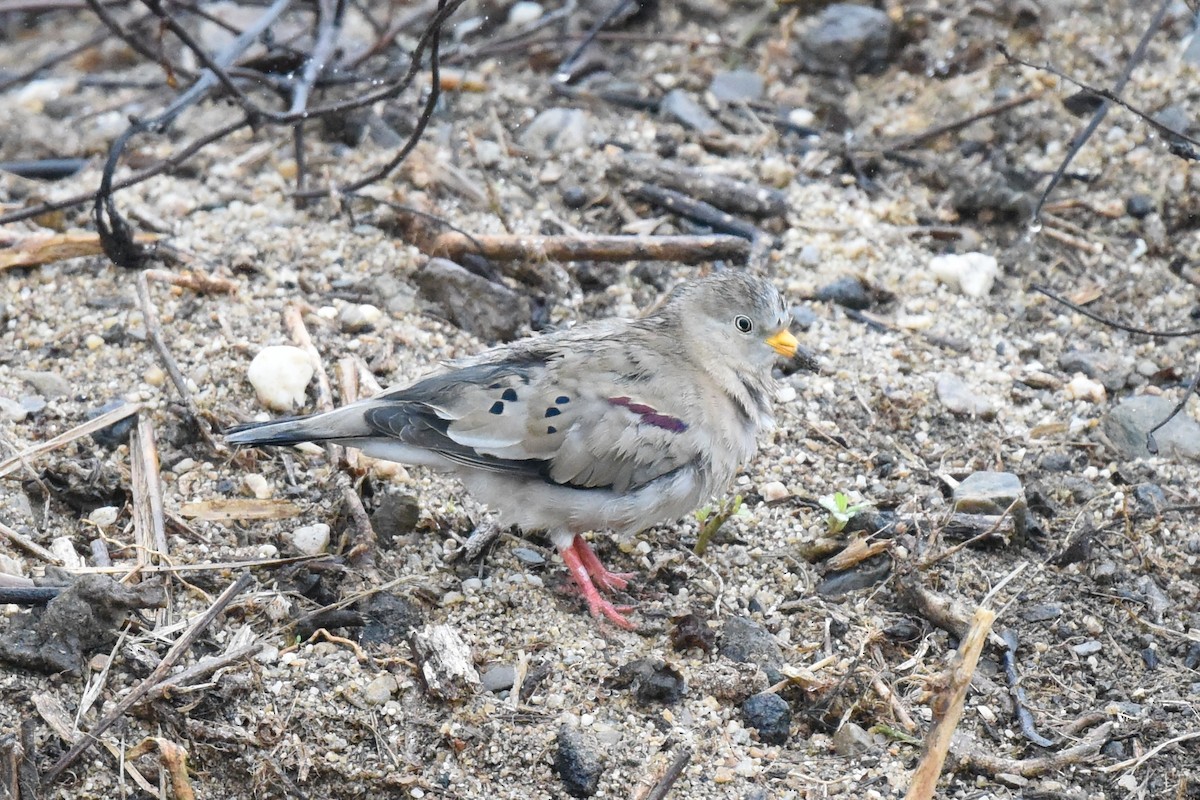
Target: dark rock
(848, 39)
(770, 715)
(1151, 499)
(745, 641)
(389, 619)
(81, 619)
(992, 493)
(691, 630)
(573, 196)
(803, 317)
(1114, 749)
(491, 311)
(1107, 368)
(1056, 461)
(653, 681)
(1042, 613)
(1191, 658)
(683, 108)
(528, 556)
(1127, 424)
(1139, 206)
(848, 292)
(737, 86)
(395, 515)
(863, 575)
(117, 434)
(1150, 657)
(577, 763)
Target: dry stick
(29, 546)
(154, 331)
(682, 249)
(674, 770)
(727, 194)
(916, 140)
(195, 281)
(199, 671)
(1041, 765)
(1134, 763)
(148, 526)
(181, 646)
(137, 43)
(925, 779)
(697, 211)
(52, 711)
(11, 465)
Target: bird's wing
(583, 419)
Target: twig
(158, 675)
(155, 333)
(174, 761)
(93, 40)
(987, 763)
(725, 193)
(931, 560)
(697, 211)
(918, 139)
(149, 529)
(950, 706)
(199, 671)
(29, 546)
(1078, 309)
(12, 464)
(1134, 763)
(1017, 692)
(672, 773)
(682, 249)
(195, 281)
(362, 536)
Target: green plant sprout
(841, 509)
(712, 518)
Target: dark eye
(743, 323)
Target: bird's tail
(340, 424)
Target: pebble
(846, 37)
(773, 491)
(491, 311)
(154, 376)
(104, 517)
(33, 404)
(11, 566)
(803, 317)
(577, 763)
(48, 384)
(64, 550)
(1139, 206)
(1127, 424)
(770, 715)
(356, 318)
(1090, 647)
(528, 556)
(810, 255)
(1081, 387)
(737, 86)
(311, 540)
(279, 375)
(381, 689)
(683, 108)
(117, 434)
(959, 398)
(396, 515)
(12, 411)
(556, 130)
(851, 741)
(990, 493)
(524, 12)
(488, 153)
(848, 292)
(93, 342)
(499, 678)
(971, 274)
(472, 585)
(258, 486)
(745, 641)
(1108, 368)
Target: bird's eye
(743, 323)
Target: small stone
(745, 641)
(1042, 613)
(381, 689)
(1139, 206)
(960, 398)
(1011, 781)
(773, 491)
(64, 550)
(524, 12)
(154, 376)
(577, 763)
(11, 566)
(105, 516)
(258, 486)
(445, 662)
(848, 292)
(93, 342)
(279, 375)
(573, 196)
(1090, 647)
(33, 404)
(311, 540)
(1127, 424)
(357, 318)
(115, 435)
(528, 556)
(848, 38)
(992, 493)
(653, 681)
(491, 311)
(556, 130)
(472, 585)
(971, 274)
(737, 86)
(852, 741)
(390, 619)
(683, 108)
(770, 715)
(803, 317)
(810, 256)
(396, 515)
(12, 411)
(499, 678)
(488, 153)
(1108, 368)
(48, 384)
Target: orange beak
(783, 343)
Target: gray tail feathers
(292, 430)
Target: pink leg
(606, 580)
(599, 606)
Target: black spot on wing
(551, 429)
(552, 412)
(510, 395)
(562, 398)
(497, 408)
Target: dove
(613, 425)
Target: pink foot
(608, 581)
(597, 605)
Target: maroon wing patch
(650, 416)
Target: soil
(1101, 593)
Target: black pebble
(1139, 206)
(577, 763)
(770, 715)
(573, 196)
(116, 434)
(848, 292)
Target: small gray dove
(613, 424)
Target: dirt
(1101, 595)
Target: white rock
(311, 540)
(12, 410)
(524, 12)
(104, 516)
(1081, 387)
(772, 491)
(64, 550)
(279, 375)
(972, 274)
(356, 318)
(11, 566)
(786, 394)
(259, 485)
